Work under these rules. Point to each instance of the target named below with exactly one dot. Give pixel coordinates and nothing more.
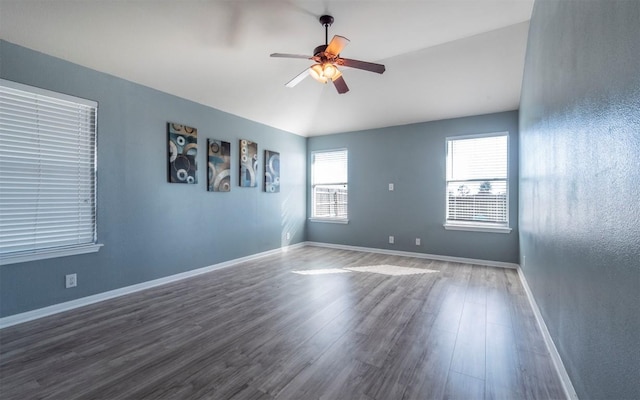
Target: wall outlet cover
(391, 239)
(70, 281)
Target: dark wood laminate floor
(260, 331)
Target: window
(477, 186)
(47, 174)
(329, 189)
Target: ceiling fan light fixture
(324, 72)
(316, 71)
(329, 70)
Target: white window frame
(477, 226)
(30, 109)
(330, 219)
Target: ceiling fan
(327, 58)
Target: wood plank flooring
(261, 331)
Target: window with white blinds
(477, 185)
(329, 185)
(47, 174)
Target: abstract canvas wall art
(248, 163)
(218, 166)
(271, 171)
(183, 149)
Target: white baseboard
(462, 260)
(70, 305)
(569, 391)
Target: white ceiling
(444, 59)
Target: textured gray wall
(151, 228)
(580, 188)
(413, 158)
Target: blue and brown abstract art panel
(183, 149)
(271, 171)
(248, 163)
(219, 166)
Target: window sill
(330, 220)
(477, 228)
(48, 253)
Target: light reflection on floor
(392, 270)
(321, 271)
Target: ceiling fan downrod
(326, 21)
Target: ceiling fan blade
(298, 78)
(336, 45)
(367, 66)
(340, 84)
(284, 55)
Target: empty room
(290, 199)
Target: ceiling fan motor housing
(318, 51)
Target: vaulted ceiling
(444, 59)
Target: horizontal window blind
(477, 187)
(47, 170)
(329, 184)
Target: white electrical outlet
(71, 280)
(391, 239)
(288, 236)
(417, 241)
(391, 187)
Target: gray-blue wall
(412, 157)
(151, 228)
(580, 188)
